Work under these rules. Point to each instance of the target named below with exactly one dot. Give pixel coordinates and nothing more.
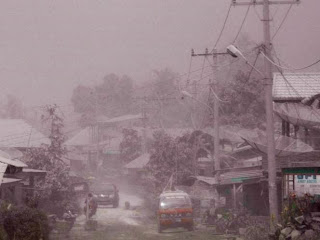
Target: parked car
(175, 210)
(107, 194)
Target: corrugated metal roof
(295, 86)
(17, 133)
(140, 162)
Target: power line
(283, 20)
(290, 69)
(223, 27)
(243, 21)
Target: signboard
(307, 184)
(80, 187)
(304, 170)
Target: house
(17, 180)
(99, 144)
(232, 189)
(296, 97)
(16, 136)
(135, 168)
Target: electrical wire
(223, 27)
(283, 20)
(241, 26)
(290, 69)
(256, 12)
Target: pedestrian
(91, 204)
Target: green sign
(238, 179)
(301, 170)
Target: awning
(284, 146)
(233, 177)
(208, 180)
(10, 181)
(298, 114)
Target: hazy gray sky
(49, 46)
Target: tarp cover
(298, 114)
(284, 146)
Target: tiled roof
(17, 133)
(139, 162)
(295, 86)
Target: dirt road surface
(122, 224)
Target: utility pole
(216, 106)
(144, 125)
(213, 91)
(268, 81)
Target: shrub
(24, 223)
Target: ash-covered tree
(53, 195)
(169, 156)
(243, 89)
(112, 97)
(162, 98)
(245, 105)
(131, 145)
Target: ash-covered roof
(140, 162)
(295, 86)
(3, 168)
(17, 133)
(15, 162)
(82, 138)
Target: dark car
(107, 194)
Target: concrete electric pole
(213, 91)
(272, 169)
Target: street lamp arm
(235, 52)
